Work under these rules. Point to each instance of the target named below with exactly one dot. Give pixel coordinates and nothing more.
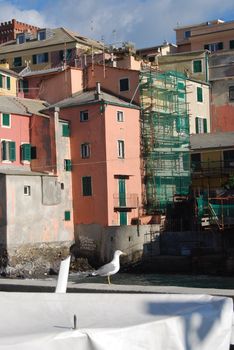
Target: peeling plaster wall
(222, 77)
(28, 219)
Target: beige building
(8, 81)
(198, 99)
(193, 64)
(48, 48)
(216, 35)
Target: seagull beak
(124, 253)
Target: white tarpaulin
(45, 321)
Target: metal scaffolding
(165, 138)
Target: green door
(122, 193)
(123, 217)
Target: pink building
(105, 157)
(52, 85)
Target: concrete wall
(103, 241)
(29, 220)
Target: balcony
(212, 168)
(129, 201)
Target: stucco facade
(44, 84)
(222, 88)
(113, 155)
(198, 99)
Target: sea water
(179, 280)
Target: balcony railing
(127, 201)
(212, 167)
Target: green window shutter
(12, 150)
(8, 83)
(197, 66)
(205, 125)
(34, 59)
(122, 193)
(199, 94)
(67, 215)
(26, 151)
(86, 186)
(67, 164)
(196, 123)
(65, 130)
(6, 119)
(181, 95)
(181, 85)
(0, 80)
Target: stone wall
(101, 242)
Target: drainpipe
(207, 67)
(55, 142)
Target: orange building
(214, 35)
(105, 157)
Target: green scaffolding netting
(165, 137)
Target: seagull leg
(108, 277)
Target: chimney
(98, 90)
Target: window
(8, 150)
(120, 116)
(40, 58)
(3, 81)
(26, 152)
(197, 66)
(41, 35)
(6, 120)
(33, 152)
(120, 149)
(231, 93)
(84, 116)
(27, 190)
(65, 55)
(25, 85)
(67, 215)
(231, 44)
(214, 46)
(85, 150)
(201, 125)
(17, 62)
(8, 79)
(65, 130)
(20, 38)
(199, 94)
(187, 34)
(228, 158)
(196, 161)
(124, 84)
(67, 164)
(86, 186)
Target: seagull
(111, 268)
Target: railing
(127, 201)
(212, 167)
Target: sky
(143, 22)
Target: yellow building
(8, 81)
(48, 48)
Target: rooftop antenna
(103, 55)
(92, 54)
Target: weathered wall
(29, 219)
(3, 210)
(103, 241)
(222, 77)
